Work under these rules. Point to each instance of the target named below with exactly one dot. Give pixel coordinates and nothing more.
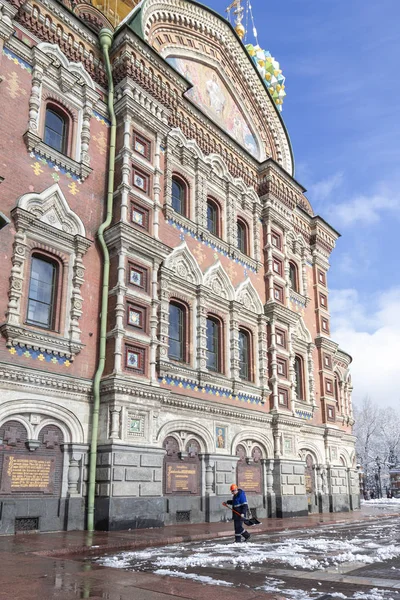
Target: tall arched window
(213, 217)
(42, 292)
(214, 341)
(179, 193)
(294, 276)
(244, 355)
(177, 331)
(298, 369)
(56, 129)
(242, 237)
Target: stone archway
(31, 469)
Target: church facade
(213, 351)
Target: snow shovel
(247, 522)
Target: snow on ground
(385, 501)
(303, 553)
(193, 576)
(314, 550)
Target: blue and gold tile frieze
(17, 60)
(210, 390)
(42, 356)
(304, 414)
(101, 119)
(185, 231)
(57, 171)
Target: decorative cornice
(139, 241)
(276, 312)
(326, 344)
(37, 380)
(186, 402)
(35, 144)
(39, 341)
(286, 419)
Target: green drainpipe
(105, 37)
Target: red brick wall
(23, 174)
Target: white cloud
(364, 209)
(327, 196)
(323, 189)
(373, 340)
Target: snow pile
(193, 576)
(384, 501)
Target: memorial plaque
(182, 478)
(249, 478)
(27, 474)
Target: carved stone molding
(48, 218)
(51, 68)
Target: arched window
(179, 193)
(242, 237)
(214, 340)
(213, 217)
(294, 276)
(56, 129)
(42, 292)
(298, 369)
(244, 355)
(177, 332)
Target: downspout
(105, 37)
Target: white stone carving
(247, 294)
(184, 264)
(217, 279)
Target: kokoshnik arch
(218, 365)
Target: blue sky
(341, 61)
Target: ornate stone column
(274, 367)
(74, 474)
(292, 372)
(201, 330)
(262, 354)
(81, 247)
(210, 477)
(286, 268)
(200, 203)
(120, 310)
(234, 342)
(269, 265)
(157, 187)
(154, 324)
(126, 169)
(17, 276)
(7, 14)
(311, 381)
(163, 324)
(115, 422)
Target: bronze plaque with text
(181, 478)
(249, 479)
(27, 474)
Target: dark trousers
(239, 530)
(238, 525)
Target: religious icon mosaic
(212, 96)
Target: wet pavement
(311, 550)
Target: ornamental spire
(238, 12)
